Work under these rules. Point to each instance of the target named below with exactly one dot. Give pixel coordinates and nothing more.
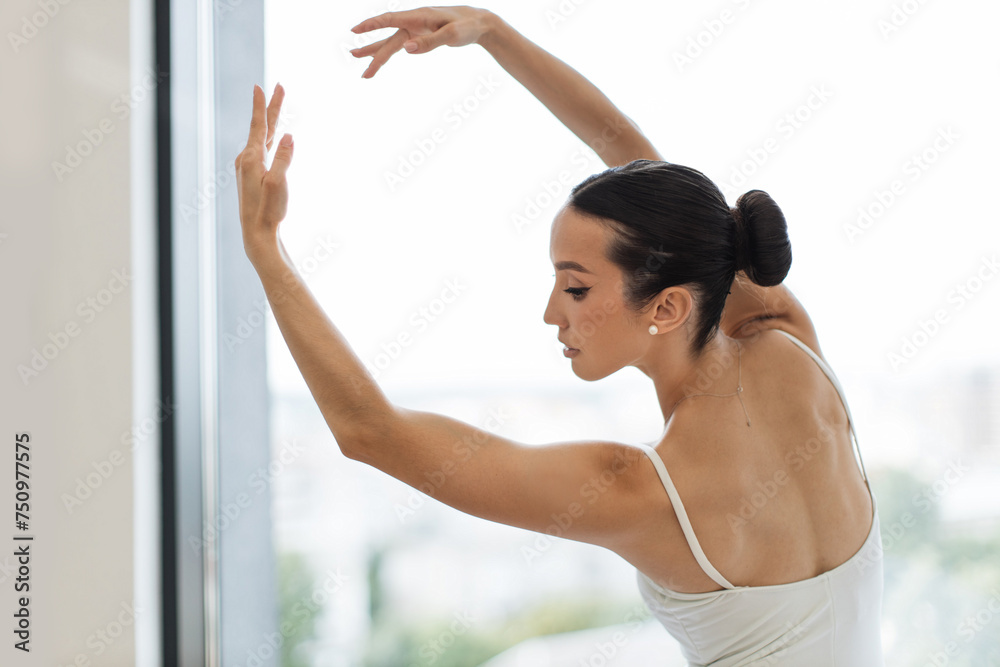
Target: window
(420, 209)
(219, 592)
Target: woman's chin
(587, 374)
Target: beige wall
(76, 274)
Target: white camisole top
(832, 619)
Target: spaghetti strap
(682, 518)
(840, 391)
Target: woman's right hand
(571, 98)
(421, 30)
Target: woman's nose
(549, 315)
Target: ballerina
(750, 522)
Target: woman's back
(779, 515)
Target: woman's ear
(672, 308)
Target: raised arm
(751, 308)
(585, 110)
(579, 104)
(574, 100)
(590, 491)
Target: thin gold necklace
(738, 392)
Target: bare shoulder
(751, 309)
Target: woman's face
(591, 316)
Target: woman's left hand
(263, 192)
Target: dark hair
(671, 225)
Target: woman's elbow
(367, 436)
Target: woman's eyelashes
(576, 292)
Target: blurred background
(161, 400)
(421, 203)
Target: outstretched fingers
(282, 160)
(368, 49)
(411, 18)
(258, 128)
(273, 111)
(263, 122)
(263, 191)
(383, 51)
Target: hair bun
(762, 248)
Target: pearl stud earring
(653, 329)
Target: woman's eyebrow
(574, 266)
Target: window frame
(219, 432)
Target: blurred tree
(297, 609)
(942, 578)
(375, 592)
(419, 642)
